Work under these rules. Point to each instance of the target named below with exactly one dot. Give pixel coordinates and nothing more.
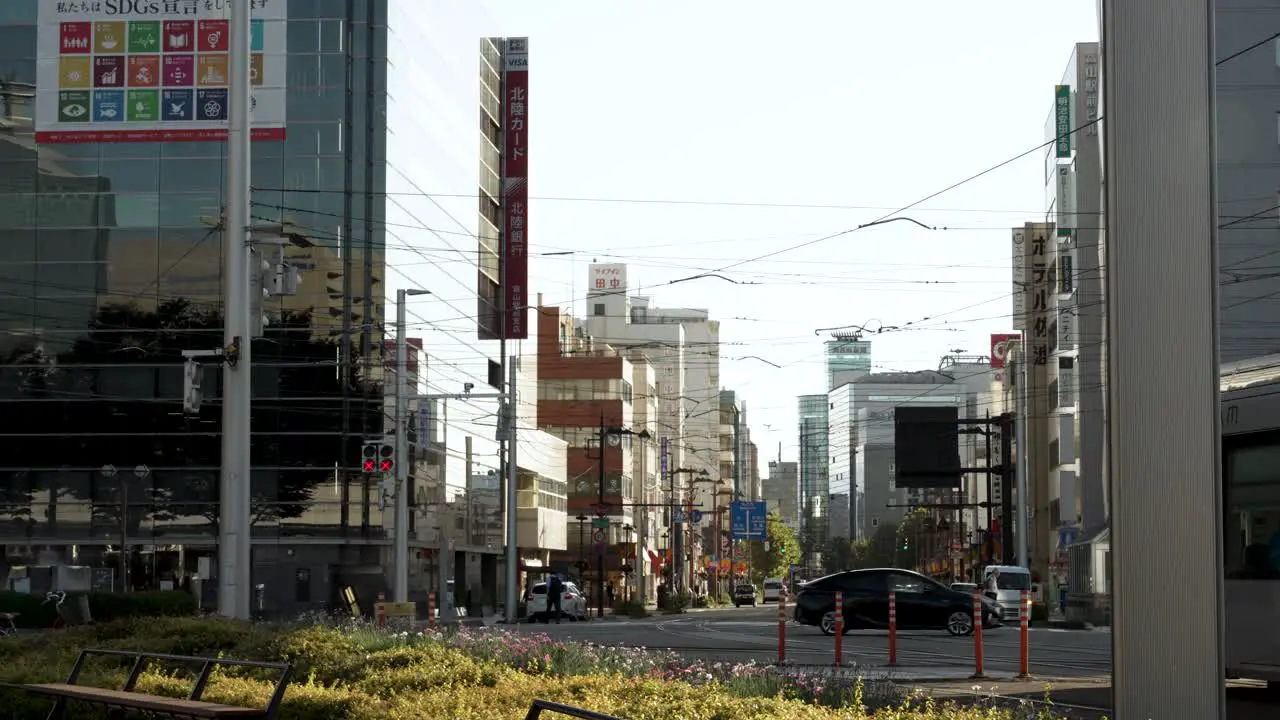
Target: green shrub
(34, 612)
(360, 674)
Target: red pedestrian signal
(369, 453)
(386, 455)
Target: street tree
(782, 552)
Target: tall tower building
(815, 485)
(848, 358)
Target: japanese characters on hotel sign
(153, 70)
(1038, 295)
(515, 188)
(608, 277)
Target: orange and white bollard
(1024, 636)
(782, 629)
(839, 626)
(431, 608)
(893, 629)
(978, 674)
(380, 610)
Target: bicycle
(57, 598)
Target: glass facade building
(815, 486)
(847, 360)
(111, 266)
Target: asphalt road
(1076, 664)
(748, 634)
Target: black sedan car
(922, 603)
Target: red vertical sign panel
(515, 188)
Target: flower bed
(358, 673)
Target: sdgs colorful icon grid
(147, 71)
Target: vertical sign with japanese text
(1062, 118)
(154, 70)
(1020, 289)
(515, 188)
(1038, 299)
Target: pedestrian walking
(555, 593)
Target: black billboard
(926, 443)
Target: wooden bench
(536, 708)
(127, 698)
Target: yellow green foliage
(348, 674)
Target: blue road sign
(748, 520)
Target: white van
(774, 590)
(1010, 583)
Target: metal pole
(234, 552)
(1161, 260)
(400, 548)
(513, 550)
(506, 449)
(1022, 419)
(124, 534)
(601, 512)
(988, 541)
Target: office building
(1035, 314)
(683, 345)
(848, 358)
(781, 492)
(841, 526)
(587, 390)
(873, 401)
(112, 257)
(1077, 504)
(842, 450)
(814, 478)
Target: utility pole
(234, 538)
(1023, 463)
(400, 546)
(602, 511)
(513, 555)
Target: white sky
(868, 106)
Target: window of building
(598, 309)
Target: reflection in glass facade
(847, 360)
(110, 266)
(1248, 135)
(815, 486)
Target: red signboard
(515, 188)
(1000, 347)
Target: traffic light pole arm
(460, 396)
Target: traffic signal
(386, 457)
(369, 458)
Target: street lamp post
(400, 552)
(614, 436)
(582, 545)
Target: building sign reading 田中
(153, 70)
(608, 277)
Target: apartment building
(603, 404)
(781, 492)
(683, 346)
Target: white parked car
(573, 604)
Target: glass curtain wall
(111, 265)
